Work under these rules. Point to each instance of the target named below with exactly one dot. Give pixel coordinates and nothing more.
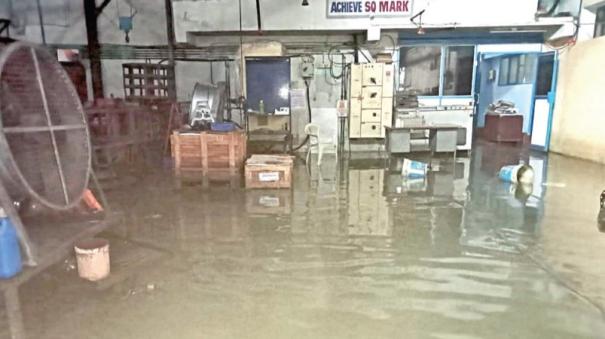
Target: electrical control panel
(371, 106)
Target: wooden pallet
(208, 153)
(269, 171)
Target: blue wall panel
(522, 95)
(268, 79)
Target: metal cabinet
(371, 105)
(371, 130)
(371, 97)
(371, 115)
(372, 74)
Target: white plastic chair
(312, 130)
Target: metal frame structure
(14, 182)
(11, 176)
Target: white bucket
(93, 259)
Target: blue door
(544, 101)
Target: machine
(207, 105)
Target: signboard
(268, 176)
(367, 8)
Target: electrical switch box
(307, 69)
(371, 105)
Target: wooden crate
(269, 171)
(208, 152)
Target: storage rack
(145, 81)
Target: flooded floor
(352, 251)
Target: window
(459, 70)
(546, 65)
(517, 69)
(513, 71)
(599, 29)
(559, 8)
(421, 69)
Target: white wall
(579, 111)
(289, 15)
(187, 74)
(65, 24)
(64, 21)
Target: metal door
(544, 101)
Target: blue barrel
(10, 254)
(517, 174)
(509, 173)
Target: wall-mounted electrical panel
(371, 100)
(307, 69)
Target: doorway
(544, 101)
(522, 87)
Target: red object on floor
(91, 201)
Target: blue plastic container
(508, 173)
(414, 169)
(517, 174)
(10, 254)
(222, 126)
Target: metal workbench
(443, 138)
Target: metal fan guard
(60, 103)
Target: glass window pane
(459, 70)
(522, 68)
(503, 76)
(530, 67)
(545, 73)
(419, 67)
(559, 8)
(513, 71)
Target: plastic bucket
(413, 169)
(10, 255)
(523, 174)
(93, 259)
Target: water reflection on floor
(353, 251)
